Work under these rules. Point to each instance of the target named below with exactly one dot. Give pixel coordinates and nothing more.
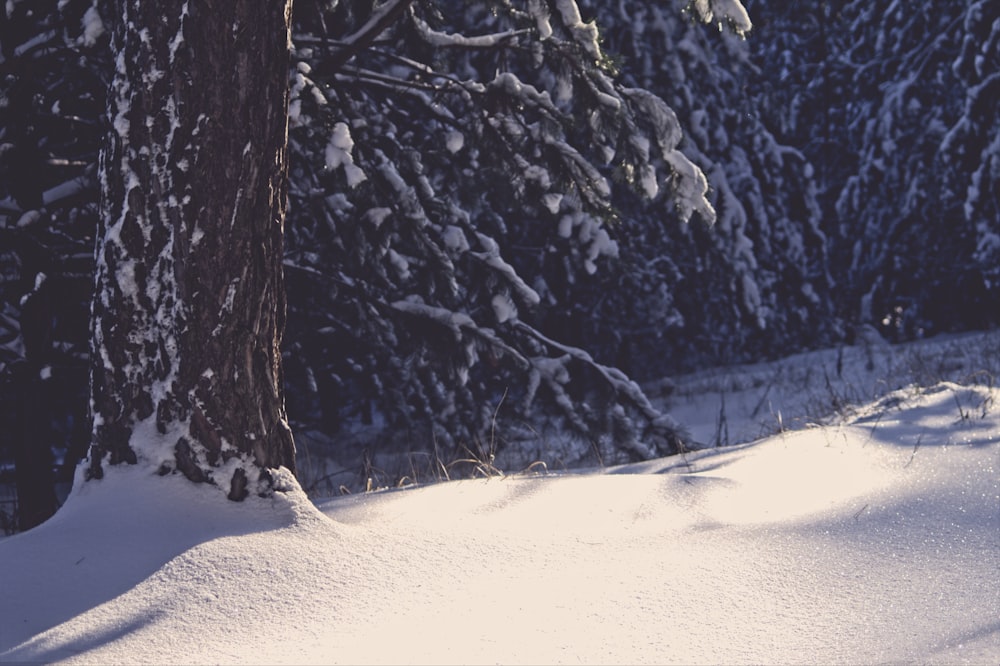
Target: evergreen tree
(52, 57)
(894, 204)
(753, 285)
(972, 146)
(426, 259)
(887, 101)
(465, 181)
(495, 208)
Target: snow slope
(735, 404)
(872, 540)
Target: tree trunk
(189, 307)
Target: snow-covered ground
(735, 404)
(873, 537)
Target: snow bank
(875, 540)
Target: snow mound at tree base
(876, 540)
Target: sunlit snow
(872, 540)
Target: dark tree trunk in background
(33, 460)
(189, 307)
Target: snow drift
(873, 540)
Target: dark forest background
(852, 154)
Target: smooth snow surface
(872, 541)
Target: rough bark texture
(189, 307)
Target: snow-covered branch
(448, 39)
(363, 37)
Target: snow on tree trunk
(189, 307)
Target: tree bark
(189, 307)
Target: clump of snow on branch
(454, 141)
(585, 34)
(93, 27)
(339, 154)
(722, 12)
(539, 10)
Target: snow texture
(93, 27)
(724, 11)
(339, 154)
(504, 308)
(454, 141)
(540, 12)
(873, 539)
(442, 39)
(585, 34)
